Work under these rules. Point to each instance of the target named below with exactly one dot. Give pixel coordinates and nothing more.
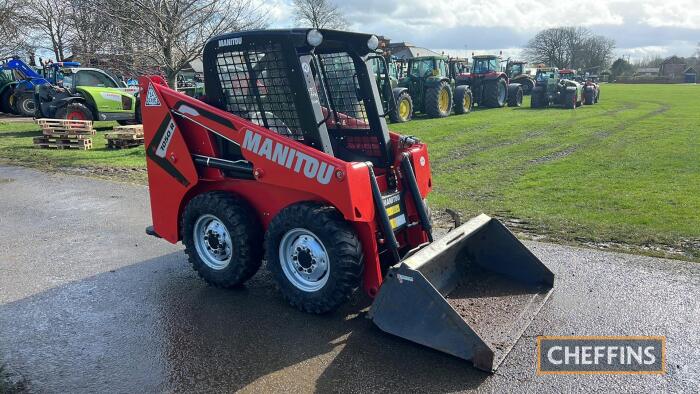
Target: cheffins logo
(601, 355)
(288, 157)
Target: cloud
(670, 26)
(680, 13)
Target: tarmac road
(89, 303)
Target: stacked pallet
(65, 134)
(125, 137)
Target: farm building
(673, 67)
(647, 72)
(405, 50)
(690, 75)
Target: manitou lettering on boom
(288, 157)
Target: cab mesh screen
(255, 86)
(340, 77)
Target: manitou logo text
(227, 42)
(288, 157)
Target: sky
(640, 28)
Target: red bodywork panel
(566, 72)
(177, 126)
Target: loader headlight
(373, 43)
(314, 37)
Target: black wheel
(515, 96)
(404, 108)
(5, 101)
(537, 98)
(527, 85)
(314, 256)
(589, 96)
(495, 93)
(464, 99)
(570, 99)
(75, 111)
(222, 239)
(438, 100)
(137, 112)
(25, 104)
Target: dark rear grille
(255, 86)
(340, 78)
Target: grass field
(625, 171)
(623, 174)
(16, 148)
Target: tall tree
(319, 14)
(13, 37)
(620, 67)
(171, 33)
(92, 31)
(570, 47)
(51, 18)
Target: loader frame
(237, 146)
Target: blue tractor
(17, 83)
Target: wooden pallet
(63, 143)
(65, 126)
(134, 128)
(116, 135)
(66, 136)
(123, 144)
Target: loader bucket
(470, 294)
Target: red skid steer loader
(289, 160)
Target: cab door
(103, 91)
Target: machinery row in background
(435, 86)
(64, 90)
(439, 85)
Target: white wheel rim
(213, 242)
(304, 259)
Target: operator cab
(486, 64)
(313, 86)
(516, 68)
(459, 67)
(429, 66)
(545, 74)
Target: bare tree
(570, 47)
(51, 18)
(649, 62)
(320, 14)
(169, 34)
(596, 53)
(548, 47)
(12, 29)
(91, 31)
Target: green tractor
(516, 73)
(7, 87)
(396, 100)
(432, 89)
(551, 89)
(87, 94)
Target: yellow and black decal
(394, 210)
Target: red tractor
(305, 175)
(490, 84)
